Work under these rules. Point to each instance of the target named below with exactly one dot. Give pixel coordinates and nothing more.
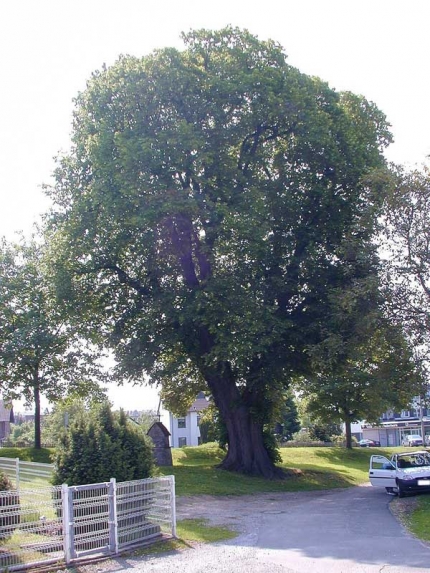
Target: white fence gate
(50, 525)
(22, 473)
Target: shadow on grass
(209, 480)
(201, 455)
(355, 458)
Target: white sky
(378, 48)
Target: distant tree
(406, 229)
(211, 427)
(147, 418)
(287, 420)
(64, 414)
(99, 445)
(203, 216)
(364, 364)
(374, 376)
(40, 353)
(324, 431)
(22, 434)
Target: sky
(49, 48)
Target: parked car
(365, 443)
(412, 440)
(406, 472)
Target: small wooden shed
(159, 434)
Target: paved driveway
(351, 531)
(337, 531)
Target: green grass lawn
(416, 515)
(196, 473)
(195, 469)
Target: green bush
(271, 445)
(5, 483)
(101, 445)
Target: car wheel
(390, 490)
(400, 490)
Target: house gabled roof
(6, 412)
(199, 404)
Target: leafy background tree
(377, 374)
(147, 418)
(406, 249)
(22, 435)
(287, 419)
(210, 427)
(204, 217)
(40, 353)
(324, 431)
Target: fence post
(17, 473)
(67, 510)
(113, 517)
(173, 504)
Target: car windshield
(412, 460)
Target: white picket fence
(67, 523)
(21, 472)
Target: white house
(185, 431)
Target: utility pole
(423, 430)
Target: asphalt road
(352, 531)
(337, 531)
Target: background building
(185, 431)
(6, 419)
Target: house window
(182, 423)
(182, 442)
(405, 414)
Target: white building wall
(191, 432)
(194, 429)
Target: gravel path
(332, 531)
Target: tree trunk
(246, 451)
(37, 431)
(348, 434)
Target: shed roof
(160, 427)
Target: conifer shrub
(100, 445)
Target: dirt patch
(242, 512)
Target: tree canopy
(363, 364)
(212, 201)
(407, 253)
(40, 353)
